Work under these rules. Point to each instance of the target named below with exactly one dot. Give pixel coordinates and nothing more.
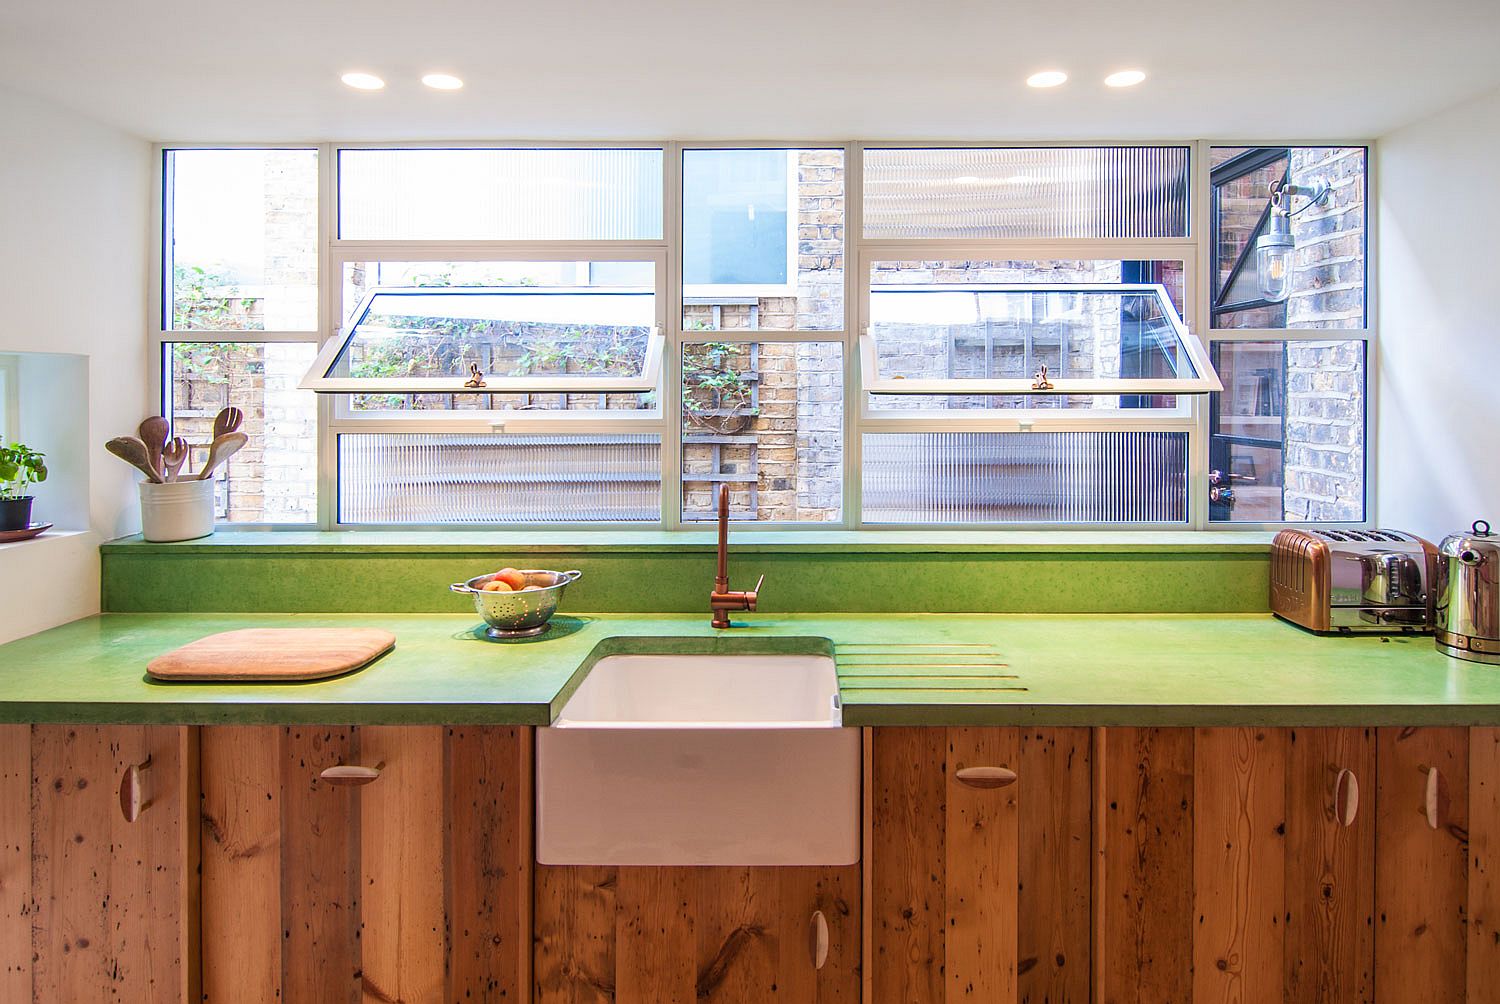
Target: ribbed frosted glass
(1045, 192)
(1025, 477)
(448, 478)
(603, 194)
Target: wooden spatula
(154, 432)
(133, 452)
(220, 451)
(227, 421)
(173, 457)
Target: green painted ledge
(654, 572)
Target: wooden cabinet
(980, 865)
(411, 887)
(95, 906)
(678, 935)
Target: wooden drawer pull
(818, 931)
(986, 777)
(1431, 807)
(133, 801)
(351, 775)
(1346, 797)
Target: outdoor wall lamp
(1274, 248)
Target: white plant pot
(178, 510)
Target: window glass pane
(997, 319)
(500, 194)
(1050, 192)
(274, 478)
(1025, 477)
(765, 418)
(1288, 433)
(554, 318)
(242, 240)
(763, 239)
(1328, 263)
(446, 478)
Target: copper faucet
(722, 599)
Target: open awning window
(516, 340)
(1078, 339)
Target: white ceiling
(256, 70)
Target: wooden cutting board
(274, 654)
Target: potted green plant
(20, 468)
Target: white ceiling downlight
(442, 81)
(363, 81)
(1125, 78)
(1047, 78)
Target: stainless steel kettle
(1468, 601)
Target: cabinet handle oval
(1346, 797)
(1431, 800)
(133, 801)
(350, 775)
(986, 777)
(818, 932)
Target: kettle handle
(1481, 527)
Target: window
(10, 400)
(839, 335)
(1287, 437)
(239, 320)
(482, 194)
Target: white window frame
(1191, 415)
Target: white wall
(74, 203)
(1439, 408)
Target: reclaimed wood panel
(736, 920)
(654, 936)
(1421, 878)
(1056, 856)
(837, 893)
(15, 863)
(241, 809)
(1143, 825)
(1483, 948)
(402, 912)
(1330, 869)
(1239, 862)
(907, 860)
(488, 812)
(115, 907)
(573, 919)
(319, 869)
(981, 869)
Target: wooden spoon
(173, 457)
(221, 450)
(154, 432)
(134, 453)
(228, 421)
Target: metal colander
(519, 614)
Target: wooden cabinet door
(411, 887)
(95, 906)
(1234, 864)
(678, 935)
(980, 865)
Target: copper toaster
(1348, 581)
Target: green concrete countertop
(1167, 669)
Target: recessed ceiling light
(442, 81)
(1125, 78)
(1047, 78)
(363, 81)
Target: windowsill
(41, 540)
(804, 541)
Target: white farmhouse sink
(700, 760)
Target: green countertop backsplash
(650, 572)
(1031, 669)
